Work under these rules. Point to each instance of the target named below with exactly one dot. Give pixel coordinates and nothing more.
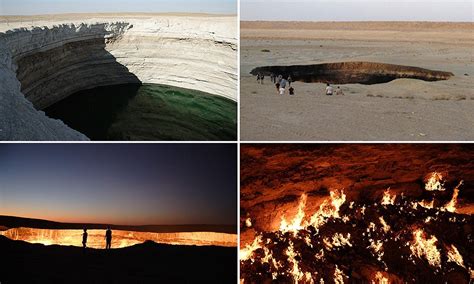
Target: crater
(105, 67)
(366, 73)
(121, 238)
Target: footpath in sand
(403, 109)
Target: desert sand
(400, 110)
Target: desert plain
(399, 110)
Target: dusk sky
(35, 7)
(129, 184)
(357, 10)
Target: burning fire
(306, 247)
(423, 247)
(380, 279)
(434, 182)
(388, 199)
(455, 256)
(120, 239)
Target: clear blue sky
(357, 10)
(32, 7)
(128, 184)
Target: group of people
(108, 238)
(281, 83)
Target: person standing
(339, 91)
(108, 238)
(282, 86)
(84, 239)
(329, 90)
(289, 80)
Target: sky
(36, 7)
(123, 184)
(357, 10)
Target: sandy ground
(401, 110)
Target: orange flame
(455, 256)
(451, 205)
(426, 247)
(434, 182)
(388, 199)
(296, 224)
(380, 279)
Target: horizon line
(111, 224)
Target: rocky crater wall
(352, 72)
(47, 64)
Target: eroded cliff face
(96, 238)
(58, 59)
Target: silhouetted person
(291, 90)
(108, 238)
(84, 238)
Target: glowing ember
(434, 182)
(248, 222)
(426, 247)
(120, 239)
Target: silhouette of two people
(108, 238)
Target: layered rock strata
(45, 65)
(352, 72)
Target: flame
(328, 209)
(455, 256)
(248, 222)
(426, 247)
(296, 224)
(246, 253)
(380, 279)
(388, 199)
(338, 276)
(451, 205)
(386, 228)
(296, 272)
(339, 240)
(434, 182)
(377, 247)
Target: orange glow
(120, 239)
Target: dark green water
(148, 112)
